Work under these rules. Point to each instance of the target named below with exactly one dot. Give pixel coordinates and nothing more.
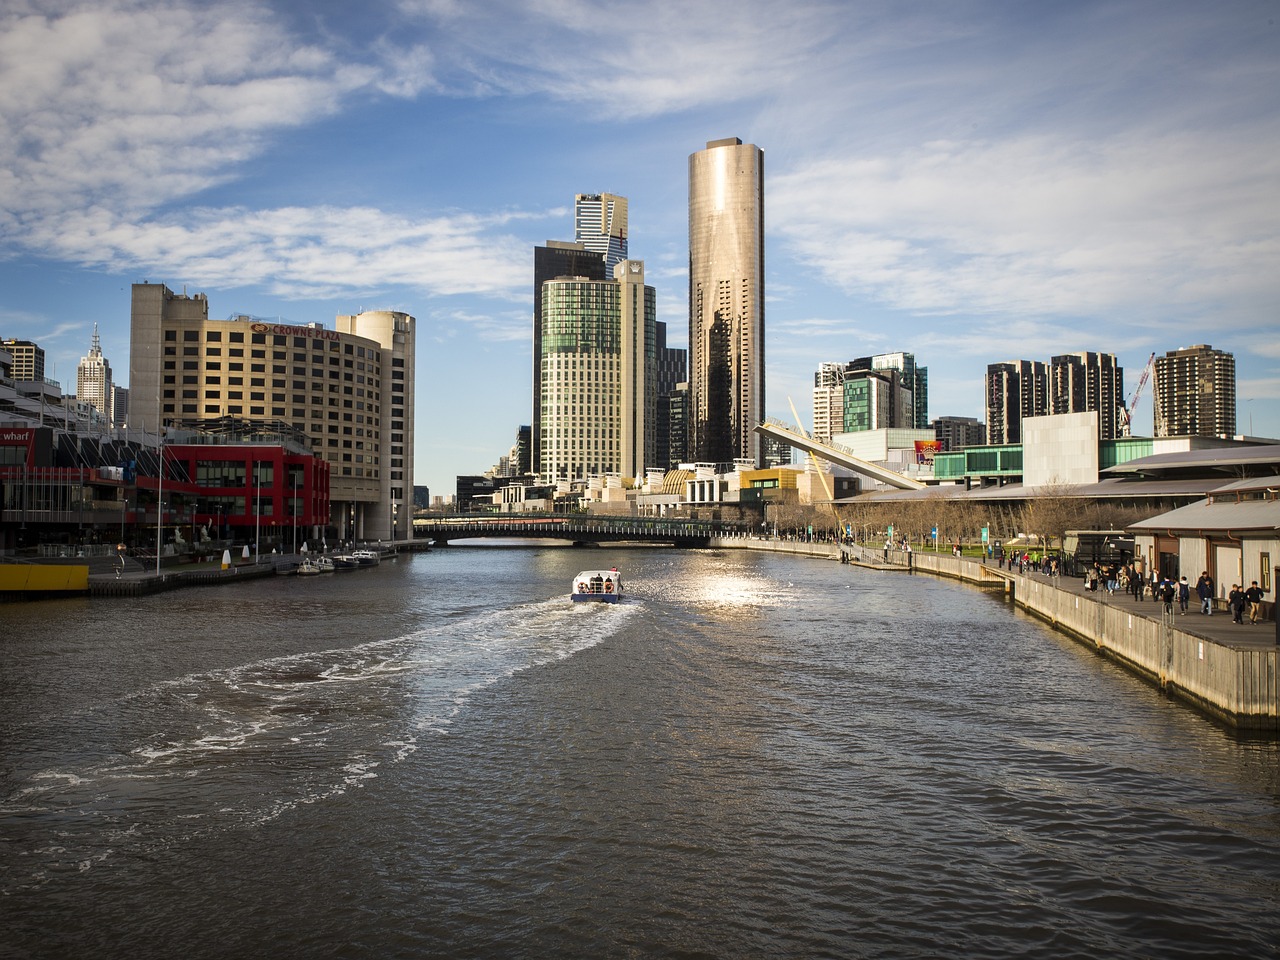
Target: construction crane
(1126, 414)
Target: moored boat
(367, 558)
(345, 561)
(309, 568)
(598, 586)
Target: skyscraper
(597, 375)
(557, 259)
(1195, 391)
(726, 301)
(869, 393)
(1015, 389)
(93, 380)
(1084, 381)
(600, 225)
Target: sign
(934, 533)
(986, 535)
(289, 330)
(925, 451)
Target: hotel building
(726, 301)
(349, 390)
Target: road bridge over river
(575, 528)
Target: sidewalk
(1216, 627)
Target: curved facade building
(349, 390)
(726, 301)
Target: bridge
(576, 528)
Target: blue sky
(972, 182)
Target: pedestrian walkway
(1216, 626)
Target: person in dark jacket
(1204, 590)
(1235, 600)
(1184, 596)
(1254, 596)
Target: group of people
(1131, 578)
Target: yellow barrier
(38, 577)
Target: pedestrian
(1184, 596)
(1235, 600)
(1168, 592)
(1254, 596)
(1204, 590)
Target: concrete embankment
(1228, 671)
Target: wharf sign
(287, 330)
(15, 437)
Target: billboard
(926, 450)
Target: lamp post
(293, 510)
(257, 509)
(122, 516)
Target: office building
(27, 360)
(869, 393)
(557, 259)
(956, 433)
(726, 301)
(1084, 381)
(600, 225)
(597, 375)
(1195, 390)
(348, 391)
(915, 380)
(94, 385)
(1015, 389)
(671, 369)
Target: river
(752, 756)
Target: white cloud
(1126, 228)
(304, 252)
(127, 105)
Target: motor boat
(596, 586)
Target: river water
(753, 756)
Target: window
(1264, 564)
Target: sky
(971, 182)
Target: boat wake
(174, 758)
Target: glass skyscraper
(726, 301)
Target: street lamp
(257, 510)
(122, 516)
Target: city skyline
(971, 186)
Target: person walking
(1184, 596)
(1168, 593)
(1235, 600)
(1254, 596)
(1204, 590)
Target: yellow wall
(32, 576)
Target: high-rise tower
(93, 380)
(1084, 381)
(1015, 390)
(726, 301)
(597, 375)
(600, 225)
(1195, 391)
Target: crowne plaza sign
(287, 330)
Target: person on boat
(608, 585)
(596, 583)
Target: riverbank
(107, 577)
(1226, 670)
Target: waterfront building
(1195, 393)
(869, 393)
(349, 390)
(956, 433)
(1015, 389)
(676, 406)
(1084, 381)
(597, 375)
(120, 404)
(600, 225)
(557, 259)
(94, 385)
(726, 301)
(26, 360)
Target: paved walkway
(1216, 626)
